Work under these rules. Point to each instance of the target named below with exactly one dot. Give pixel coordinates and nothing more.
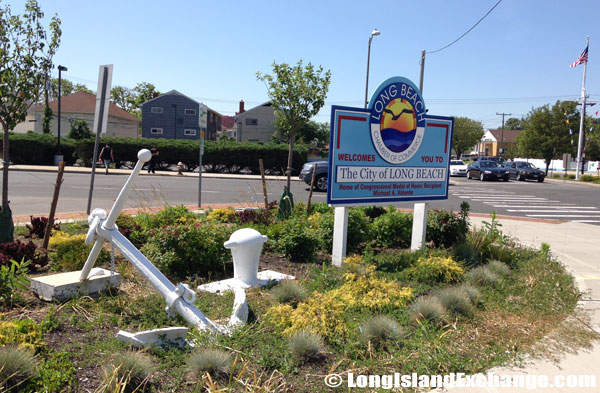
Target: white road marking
(563, 206)
(585, 220)
(562, 215)
(526, 197)
(550, 211)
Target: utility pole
(581, 127)
(502, 134)
(422, 71)
(580, 165)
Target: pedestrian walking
(106, 156)
(153, 160)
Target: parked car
(320, 177)
(499, 160)
(458, 168)
(522, 170)
(487, 170)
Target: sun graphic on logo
(399, 115)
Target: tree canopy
(513, 124)
(26, 52)
(132, 99)
(467, 133)
(297, 94)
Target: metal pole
(368, 60)
(502, 135)
(422, 70)
(201, 153)
(97, 141)
(581, 124)
(264, 183)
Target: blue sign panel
(391, 152)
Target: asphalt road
(31, 193)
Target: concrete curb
(572, 182)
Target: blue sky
(516, 59)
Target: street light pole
(60, 70)
(374, 33)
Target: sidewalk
(577, 246)
(100, 170)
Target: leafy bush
(571, 176)
(184, 250)
(12, 278)
(393, 229)
(297, 241)
(373, 211)
(428, 308)
(482, 276)
(358, 230)
(39, 149)
(435, 270)
(221, 215)
(394, 261)
(456, 301)
(24, 333)
(18, 367)
(588, 178)
(320, 207)
(21, 251)
(213, 361)
(445, 229)
(128, 372)
(57, 373)
(71, 252)
(38, 226)
(305, 345)
(260, 216)
(381, 329)
(169, 215)
(289, 292)
(128, 226)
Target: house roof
(83, 102)
(268, 103)
(228, 121)
(171, 93)
(509, 135)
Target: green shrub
(289, 292)
(39, 149)
(18, 368)
(128, 226)
(221, 215)
(128, 372)
(571, 176)
(12, 278)
(305, 345)
(184, 250)
(588, 178)
(394, 261)
(456, 301)
(373, 211)
(169, 215)
(71, 252)
(213, 361)
(24, 333)
(298, 241)
(499, 268)
(557, 176)
(446, 229)
(392, 229)
(482, 276)
(57, 373)
(428, 308)
(320, 207)
(435, 270)
(358, 230)
(381, 329)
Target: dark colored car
(487, 170)
(499, 160)
(522, 170)
(320, 177)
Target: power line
(468, 31)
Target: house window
(251, 122)
(156, 109)
(156, 131)
(189, 132)
(190, 111)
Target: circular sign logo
(397, 120)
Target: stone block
(65, 286)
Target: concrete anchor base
(265, 277)
(65, 286)
(161, 337)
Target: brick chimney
(242, 110)
(155, 94)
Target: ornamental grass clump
(18, 367)
(128, 372)
(290, 292)
(483, 276)
(212, 361)
(499, 268)
(473, 293)
(435, 270)
(456, 301)
(428, 308)
(305, 346)
(381, 329)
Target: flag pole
(581, 124)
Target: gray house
(174, 116)
(256, 124)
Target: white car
(458, 168)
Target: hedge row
(231, 157)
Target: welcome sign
(393, 151)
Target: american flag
(583, 58)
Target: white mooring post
(419, 230)
(340, 234)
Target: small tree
(467, 133)
(26, 52)
(297, 94)
(48, 114)
(80, 130)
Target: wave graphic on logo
(397, 141)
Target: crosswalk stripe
(549, 211)
(586, 221)
(563, 215)
(563, 206)
(500, 196)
